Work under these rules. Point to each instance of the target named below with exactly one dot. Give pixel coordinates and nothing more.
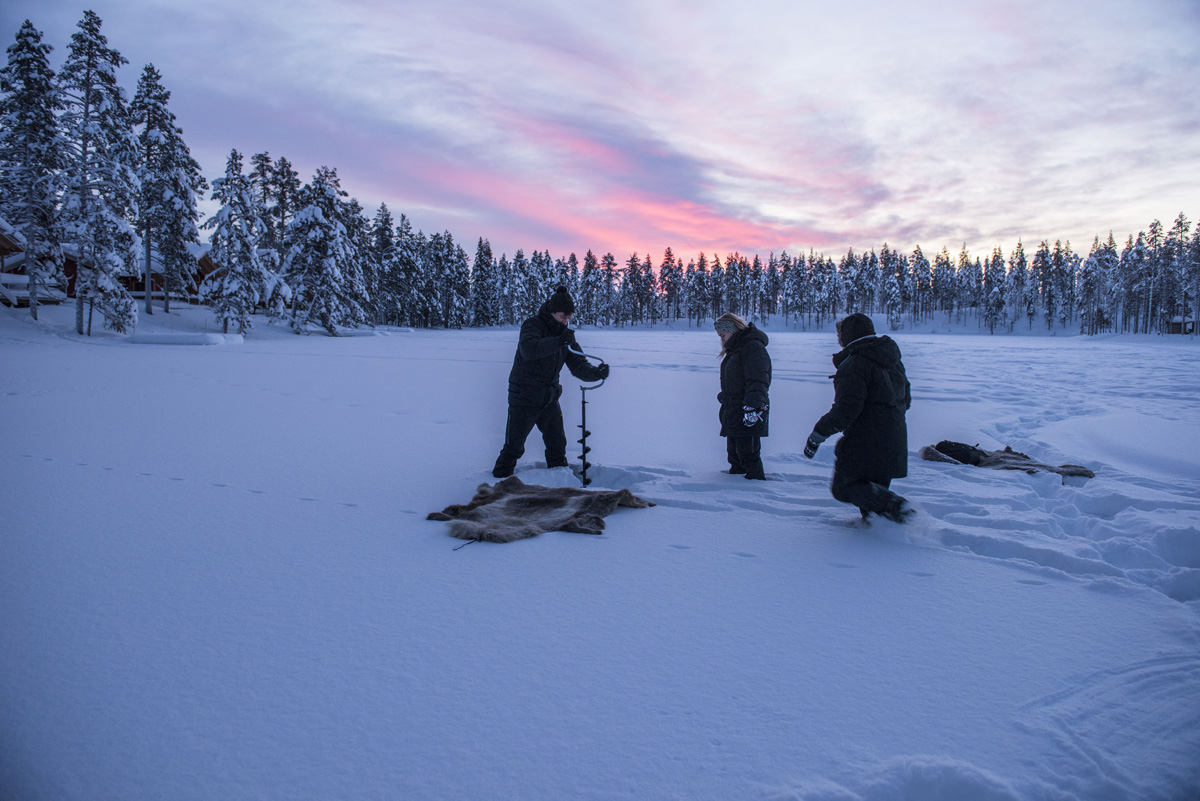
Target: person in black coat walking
(545, 345)
(745, 381)
(871, 396)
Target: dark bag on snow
(961, 452)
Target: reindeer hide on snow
(512, 510)
(1007, 459)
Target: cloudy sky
(717, 125)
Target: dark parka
(541, 354)
(870, 396)
(745, 379)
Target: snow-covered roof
(11, 240)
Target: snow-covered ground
(217, 580)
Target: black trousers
(521, 420)
(869, 496)
(745, 456)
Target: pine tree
(321, 260)
(1193, 273)
(485, 286)
(1110, 265)
(31, 155)
(241, 281)
(651, 301)
(170, 180)
(609, 281)
(1091, 290)
(262, 183)
(1176, 248)
(101, 187)
(944, 283)
(993, 291)
(922, 285)
(718, 303)
(507, 314)
(379, 259)
(1134, 284)
(404, 279)
(524, 302)
(587, 301)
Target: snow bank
(161, 338)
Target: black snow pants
(869, 496)
(521, 420)
(745, 456)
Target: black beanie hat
(560, 301)
(855, 326)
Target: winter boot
(898, 510)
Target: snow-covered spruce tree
(485, 286)
(402, 278)
(171, 180)
(1110, 262)
(1016, 286)
(1176, 247)
(523, 303)
(587, 301)
(101, 183)
(321, 259)
(893, 302)
(31, 154)
(921, 284)
(1091, 290)
(1193, 273)
(566, 273)
(608, 288)
(262, 181)
(718, 303)
(380, 260)
(969, 282)
(506, 313)
(699, 293)
(850, 268)
(240, 282)
(652, 299)
(993, 291)
(670, 280)
(450, 280)
(945, 283)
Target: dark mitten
(814, 442)
(602, 371)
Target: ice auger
(583, 476)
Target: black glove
(567, 338)
(602, 371)
(814, 442)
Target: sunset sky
(752, 126)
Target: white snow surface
(217, 580)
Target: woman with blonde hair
(745, 380)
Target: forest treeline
(87, 174)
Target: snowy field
(217, 580)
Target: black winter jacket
(541, 354)
(745, 380)
(870, 396)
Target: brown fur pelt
(1008, 459)
(513, 510)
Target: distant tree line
(85, 170)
